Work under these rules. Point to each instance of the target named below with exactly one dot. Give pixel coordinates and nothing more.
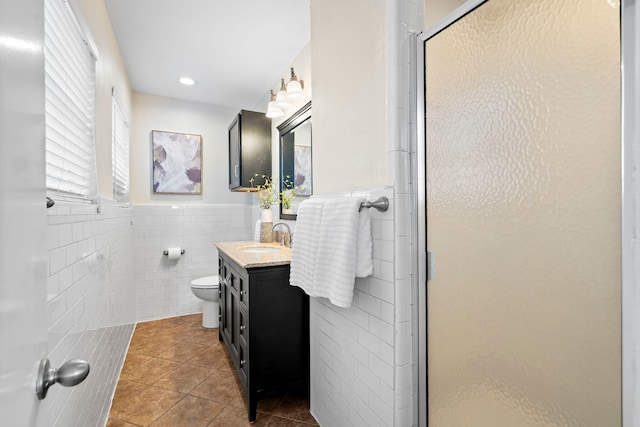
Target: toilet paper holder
(166, 252)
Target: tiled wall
(90, 291)
(404, 21)
(364, 359)
(106, 271)
(162, 286)
(352, 350)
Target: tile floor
(177, 374)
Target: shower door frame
(630, 159)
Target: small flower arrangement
(288, 193)
(267, 194)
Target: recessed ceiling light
(187, 81)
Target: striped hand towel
(304, 249)
(335, 269)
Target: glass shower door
(523, 193)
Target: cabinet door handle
(241, 292)
(236, 171)
(242, 363)
(242, 328)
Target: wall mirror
(296, 172)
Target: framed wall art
(177, 162)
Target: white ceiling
(234, 49)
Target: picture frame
(177, 163)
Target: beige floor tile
(202, 336)
(112, 422)
(179, 357)
(277, 421)
(182, 351)
(296, 408)
(232, 416)
(184, 378)
(191, 411)
(221, 389)
(211, 357)
(145, 407)
(150, 371)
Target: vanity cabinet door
(268, 338)
(229, 326)
(243, 346)
(243, 292)
(224, 329)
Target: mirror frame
(296, 119)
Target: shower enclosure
(521, 207)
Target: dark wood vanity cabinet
(264, 324)
(249, 150)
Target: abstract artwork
(177, 162)
(302, 170)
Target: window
(69, 105)
(120, 154)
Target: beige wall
(302, 67)
(435, 10)
(349, 66)
(110, 73)
(166, 114)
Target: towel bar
(381, 204)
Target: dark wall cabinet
(249, 150)
(264, 324)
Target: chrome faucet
(285, 240)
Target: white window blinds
(69, 105)
(120, 154)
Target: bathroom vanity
(264, 322)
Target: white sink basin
(259, 250)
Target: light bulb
(294, 87)
(281, 97)
(272, 110)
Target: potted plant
(267, 197)
(288, 194)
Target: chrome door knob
(69, 374)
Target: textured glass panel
(523, 215)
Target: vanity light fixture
(272, 110)
(281, 97)
(294, 87)
(187, 81)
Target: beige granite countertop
(237, 251)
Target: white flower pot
(266, 215)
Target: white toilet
(206, 288)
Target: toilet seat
(207, 282)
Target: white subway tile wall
(90, 290)
(364, 367)
(353, 360)
(162, 286)
(107, 271)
